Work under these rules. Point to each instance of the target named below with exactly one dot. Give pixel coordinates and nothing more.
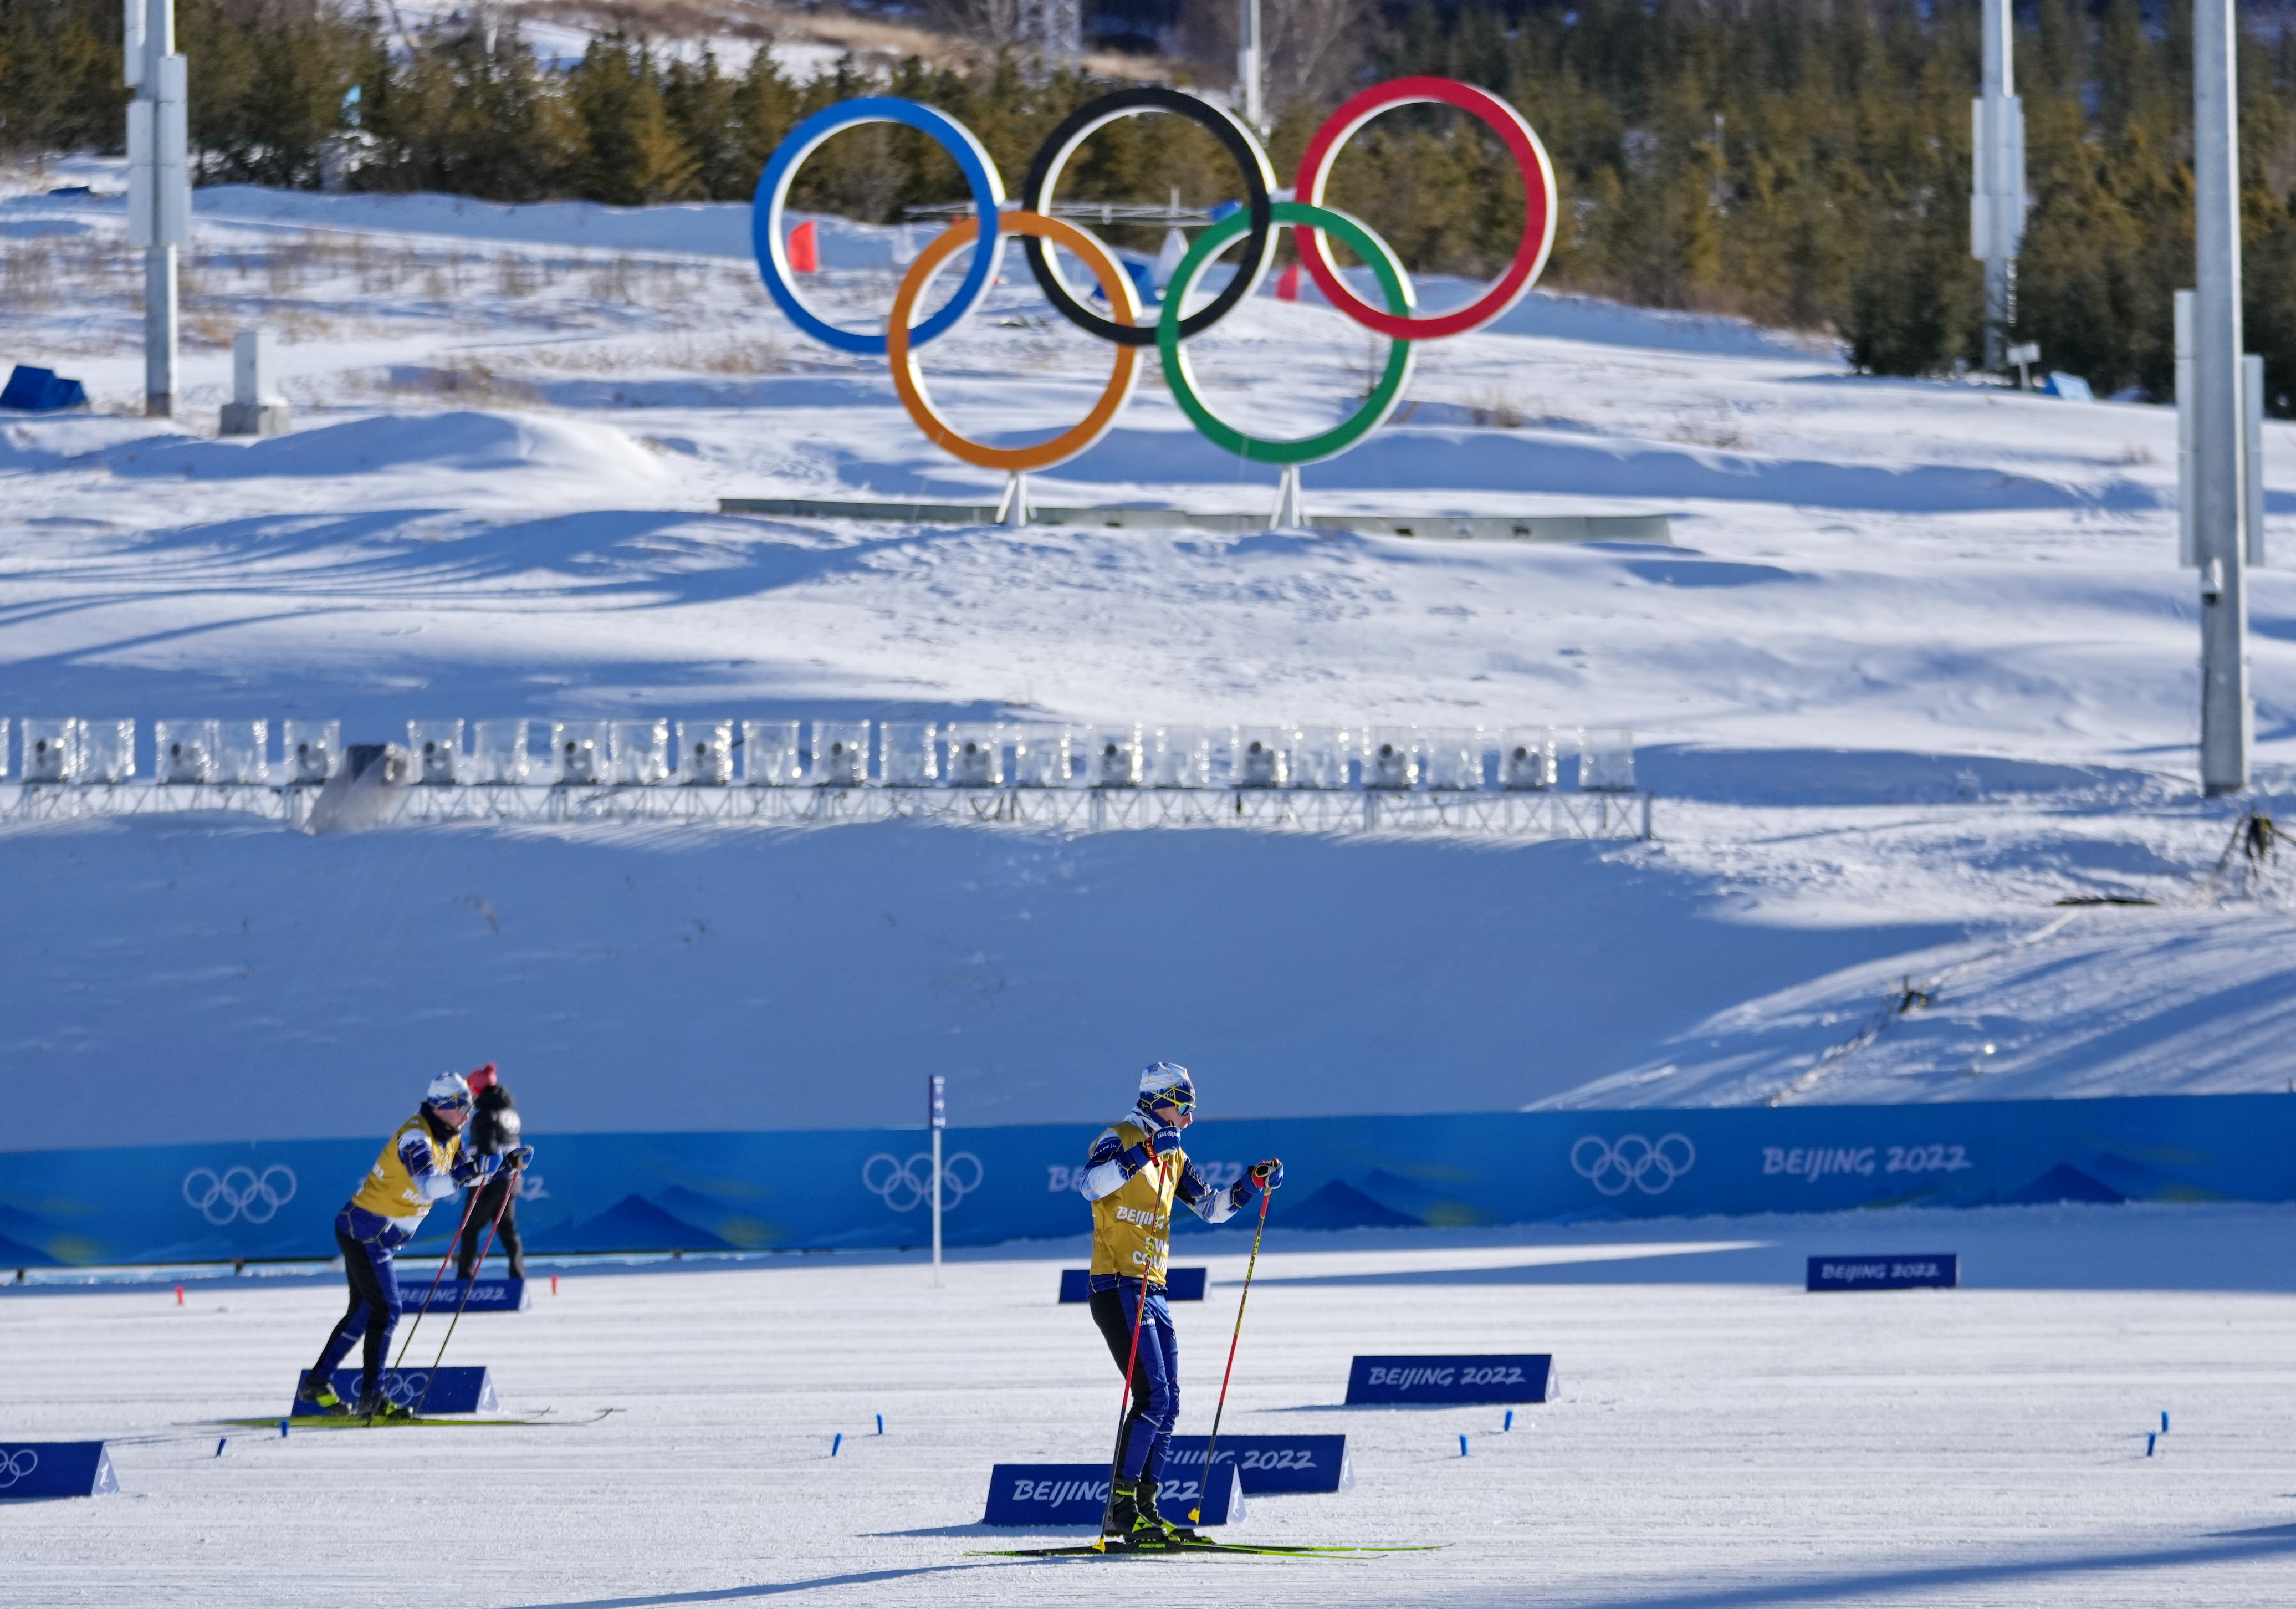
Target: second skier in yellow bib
(1136, 1173)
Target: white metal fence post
(937, 1115)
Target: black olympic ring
(1222, 125)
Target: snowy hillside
(1920, 666)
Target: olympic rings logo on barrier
(1634, 1162)
(16, 1465)
(240, 1192)
(406, 1389)
(1261, 215)
(908, 1185)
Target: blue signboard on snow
(487, 1296)
(1940, 1270)
(1510, 1377)
(1043, 1495)
(41, 392)
(447, 1391)
(1266, 1464)
(55, 1469)
(1180, 1285)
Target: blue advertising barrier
(872, 1187)
(1896, 1273)
(1180, 1285)
(1496, 1377)
(1266, 1464)
(487, 1296)
(447, 1391)
(1044, 1495)
(55, 1469)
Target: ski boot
(373, 1406)
(1124, 1529)
(1173, 1534)
(314, 1399)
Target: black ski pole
(509, 1190)
(1204, 1487)
(468, 1207)
(1124, 1403)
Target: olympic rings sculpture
(1262, 213)
(908, 1185)
(240, 1192)
(1634, 1162)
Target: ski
(351, 1422)
(1266, 1549)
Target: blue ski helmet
(1168, 1084)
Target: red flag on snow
(1287, 283)
(804, 251)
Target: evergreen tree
(630, 154)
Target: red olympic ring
(1538, 205)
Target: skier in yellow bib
(420, 1163)
(1135, 1171)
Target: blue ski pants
(1155, 1377)
(373, 1312)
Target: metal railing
(1430, 812)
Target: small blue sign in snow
(504, 1295)
(1511, 1377)
(1180, 1285)
(41, 392)
(1267, 1464)
(1884, 1273)
(1043, 1495)
(447, 1391)
(55, 1469)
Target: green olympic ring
(1182, 379)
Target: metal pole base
(1012, 508)
(1287, 516)
(159, 405)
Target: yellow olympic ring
(1124, 307)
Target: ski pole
(509, 1190)
(1124, 1401)
(469, 1206)
(1205, 1485)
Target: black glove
(524, 1157)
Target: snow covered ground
(1921, 667)
(1721, 1439)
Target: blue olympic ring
(972, 159)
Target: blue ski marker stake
(2164, 1420)
(836, 1442)
(221, 1442)
(2150, 1438)
(880, 1423)
(1510, 1420)
(1462, 1447)
(283, 1429)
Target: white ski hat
(1166, 1082)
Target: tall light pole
(2219, 479)
(1247, 67)
(1996, 190)
(159, 183)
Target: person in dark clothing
(494, 1132)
